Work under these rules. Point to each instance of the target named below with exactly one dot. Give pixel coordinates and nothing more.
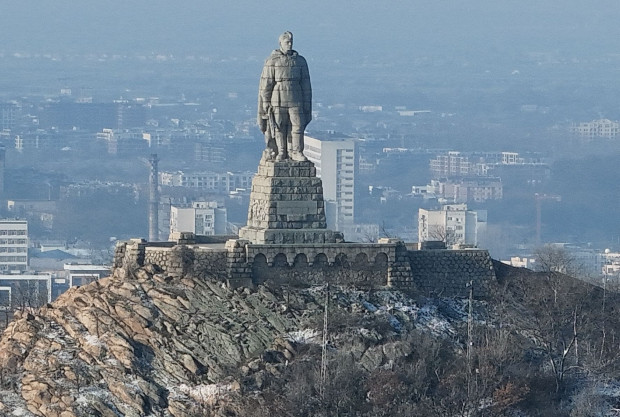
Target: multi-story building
(611, 262)
(466, 190)
(454, 224)
(21, 291)
(221, 182)
(124, 142)
(511, 167)
(201, 218)
(13, 245)
(521, 262)
(334, 157)
(611, 269)
(2, 166)
(82, 274)
(452, 164)
(10, 113)
(603, 128)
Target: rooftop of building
(328, 135)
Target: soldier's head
(286, 42)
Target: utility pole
(324, 350)
(470, 328)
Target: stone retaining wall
(317, 268)
(183, 260)
(448, 273)
(175, 260)
(445, 273)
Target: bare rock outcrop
(137, 343)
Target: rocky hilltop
(143, 343)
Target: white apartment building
(223, 182)
(603, 128)
(118, 141)
(466, 189)
(452, 164)
(82, 274)
(511, 158)
(611, 263)
(202, 218)
(454, 224)
(335, 161)
(25, 290)
(458, 164)
(13, 245)
(520, 262)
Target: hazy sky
(322, 27)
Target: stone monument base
(289, 236)
(286, 206)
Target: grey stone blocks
(446, 273)
(449, 272)
(286, 205)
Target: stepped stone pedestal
(286, 206)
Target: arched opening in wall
(259, 269)
(381, 259)
(300, 261)
(260, 260)
(280, 261)
(320, 261)
(341, 261)
(361, 261)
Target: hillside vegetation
(141, 343)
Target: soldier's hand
(262, 125)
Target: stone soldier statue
(285, 102)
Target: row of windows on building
(13, 241)
(4, 249)
(13, 259)
(13, 232)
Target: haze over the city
(480, 29)
(442, 238)
(493, 76)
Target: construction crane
(539, 199)
(153, 196)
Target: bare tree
(442, 234)
(553, 258)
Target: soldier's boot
(281, 145)
(297, 146)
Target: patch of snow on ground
(21, 412)
(410, 310)
(429, 317)
(304, 336)
(54, 332)
(93, 340)
(91, 395)
(205, 394)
